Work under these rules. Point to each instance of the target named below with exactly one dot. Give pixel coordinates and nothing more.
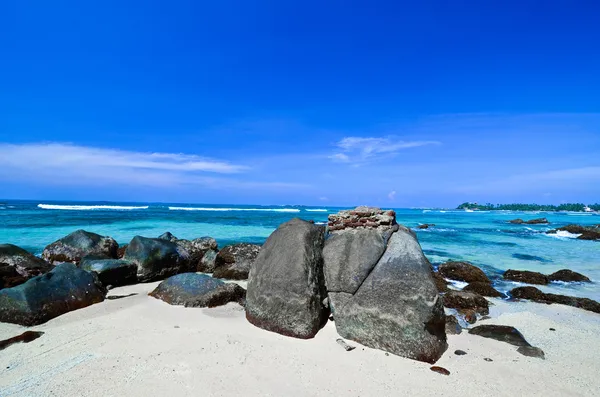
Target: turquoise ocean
(484, 238)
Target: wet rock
(452, 325)
(426, 225)
(536, 295)
(394, 300)
(466, 300)
(156, 259)
(503, 333)
(483, 289)
(197, 290)
(536, 221)
(25, 337)
(440, 370)
(234, 261)
(114, 272)
(79, 244)
(568, 276)
(462, 271)
(286, 287)
(460, 352)
(18, 266)
(346, 346)
(585, 232)
(41, 298)
(531, 351)
(525, 276)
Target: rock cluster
(537, 221)
(528, 277)
(536, 295)
(234, 261)
(585, 232)
(362, 217)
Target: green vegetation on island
(575, 207)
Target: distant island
(575, 207)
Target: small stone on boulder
(462, 271)
(234, 261)
(79, 244)
(197, 290)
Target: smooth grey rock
(41, 298)
(113, 272)
(208, 262)
(350, 257)
(397, 308)
(286, 285)
(17, 266)
(197, 290)
(531, 351)
(234, 261)
(79, 244)
(156, 259)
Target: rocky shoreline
(363, 271)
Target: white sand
(140, 346)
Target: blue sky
(388, 103)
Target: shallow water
(484, 238)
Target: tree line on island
(574, 207)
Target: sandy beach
(140, 346)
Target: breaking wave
(233, 209)
(89, 207)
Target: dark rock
(536, 221)
(115, 297)
(503, 333)
(79, 244)
(585, 232)
(470, 315)
(531, 351)
(346, 346)
(208, 262)
(488, 359)
(426, 225)
(18, 266)
(483, 289)
(197, 290)
(121, 251)
(552, 329)
(197, 248)
(525, 276)
(460, 352)
(440, 370)
(156, 259)
(466, 300)
(115, 272)
(440, 282)
(397, 307)
(41, 298)
(462, 271)
(565, 275)
(25, 337)
(286, 287)
(452, 325)
(517, 221)
(168, 237)
(536, 295)
(234, 261)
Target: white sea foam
(316, 209)
(233, 209)
(457, 284)
(580, 213)
(320, 223)
(564, 234)
(89, 207)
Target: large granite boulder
(525, 276)
(462, 271)
(536, 295)
(392, 303)
(156, 259)
(197, 290)
(79, 244)
(286, 287)
(18, 266)
(234, 261)
(113, 272)
(41, 298)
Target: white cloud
(361, 149)
(392, 195)
(59, 164)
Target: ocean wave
(233, 209)
(89, 207)
(579, 213)
(316, 209)
(320, 223)
(563, 234)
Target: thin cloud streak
(362, 149)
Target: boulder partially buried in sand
(156, 259)
(286, 287)
(197, 290)
(79, 244)
(508, 334)
(114, 272)
(383, 295)
(234, 261)
(63, 289)
(18, 266)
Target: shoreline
(131, 346)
